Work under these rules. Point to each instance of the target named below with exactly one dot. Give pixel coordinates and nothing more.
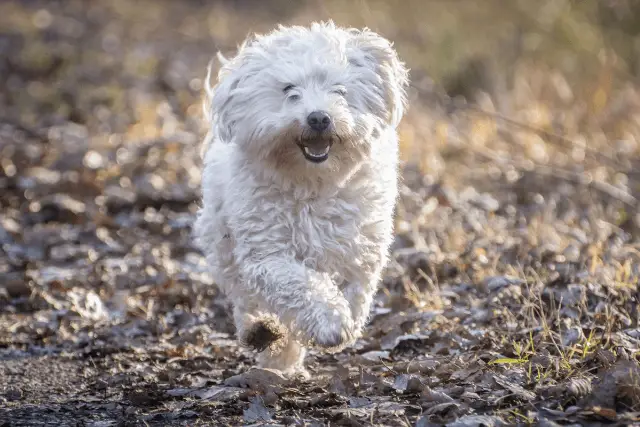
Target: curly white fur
(300, 240)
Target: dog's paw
(333, 331)
(262, 334)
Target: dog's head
(309, 100)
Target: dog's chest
(326, 233)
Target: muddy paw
(262, 334)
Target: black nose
(319, 120)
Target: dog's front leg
(360, 296)
(362, 286)
(360, 299)
(306, 301)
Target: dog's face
(309, 100)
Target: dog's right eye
(287, 88)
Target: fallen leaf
(391, 341)
(477, 421)
(608, 413)
(507, 360)
(441, 408)
(514, 388)
(256, 411)
(256, 378)
(360, 402)
(391, 408)
(221, 394)
(407, 384)
(375, 356)
(429, 395)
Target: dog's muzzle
(316, 143)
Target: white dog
(300, 184)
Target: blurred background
(520, 158)
(120, 71)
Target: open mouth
(316, 151)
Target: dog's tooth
(310, 153)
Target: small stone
(117, 197)
(44, 176)
(572, 336)
(497, 282)
(93, 160)
(42, 19)
(407, 384)
(12, 394)
(15, 283)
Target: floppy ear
(369, 49)
(220, 98)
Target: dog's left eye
(340, 91)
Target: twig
(550, 136)
(451, 105)
(600, 186)
(566, 175)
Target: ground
(512, 295)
